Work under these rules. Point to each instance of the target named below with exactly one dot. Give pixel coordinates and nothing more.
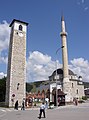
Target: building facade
(49, 87)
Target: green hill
(31, 87)
(86, 84)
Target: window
(18, 86)
(20, 27)
(72, 85)
(77, 91)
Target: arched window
(77, 91)
(20, 27)
(72, 85)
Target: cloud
(3, 60)
(83, 1)
(2, 75)
(4, 35)
(80, 2)
(42, 59)
(4, 40)
(86, 8)
(81, 68)
(39, 66)
(83, 4)
(80, 62)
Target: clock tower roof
(15, 20)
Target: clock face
(20, 34)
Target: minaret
(66, 83)
(64, 50)
(16, 72)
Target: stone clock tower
(16, 72)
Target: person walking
(23, 105)
(47, 102)
(16, 105)
(42, 110)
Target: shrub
(84, 97)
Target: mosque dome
(60, 71)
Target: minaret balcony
(63, 34)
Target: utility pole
(57, 74)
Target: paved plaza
(68, 112)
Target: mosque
(63, 84)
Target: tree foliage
(2, 89)
(29, 87)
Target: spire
(62, 18)
(63, 29)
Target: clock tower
(16, 71)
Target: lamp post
(56, 75)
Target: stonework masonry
(66, 83)
(16, 72)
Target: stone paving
(68, 112)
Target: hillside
(86, 84)
(31, 87)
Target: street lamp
(56, 75)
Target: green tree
(29, 87)
(33, 89)
(2, 89)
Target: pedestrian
(59, 101)
(23, 105)
(42, 110)
(47, 102)
(46, 105)
(75, 100)
(16, 105)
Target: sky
(43, 35)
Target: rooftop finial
(62, 18)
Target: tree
(2, 89)
(29, 87)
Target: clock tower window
(20, 27)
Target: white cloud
(2, 75)
(83, 1)
(4, 40)
(3, 59)
(4, 35)
(41, 58)
(83, 4)
(80, 62)
(86, 8)
(80, 2)
(39, 66)
(80, 67)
